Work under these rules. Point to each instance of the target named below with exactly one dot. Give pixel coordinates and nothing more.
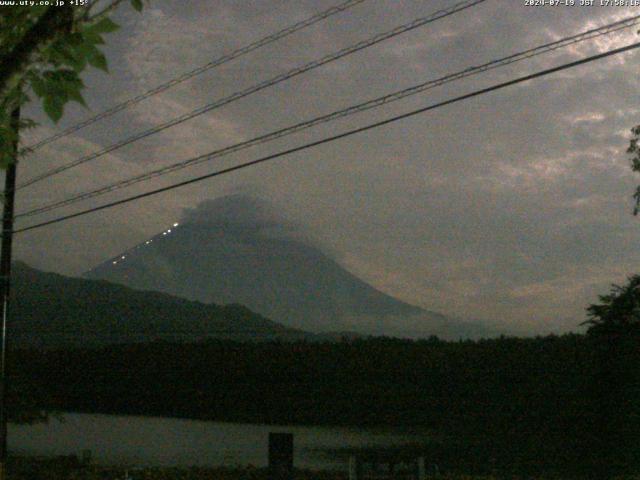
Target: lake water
(151, 441)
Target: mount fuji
(235, 249)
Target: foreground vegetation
(567, 406)
(539, 405)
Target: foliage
(534, 406)
(634, 150)
(619, 310)
(43, 51)
(614, 340)
(514, 400)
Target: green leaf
(98, 60)
(53, 106)
(94, 56)
(92, 38)
(87, 50)
(105, 25)
(73, 56)
(76, 96)
(74, 39)
(137, 4)
(68, 76)
(38, 85)
(61, 83)
(65, 56)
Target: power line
(370, 104)
(197, 71)
(332, 138)
(261, 86)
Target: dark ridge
(54, 310)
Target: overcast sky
(514, 206)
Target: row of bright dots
(146, 243)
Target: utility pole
(5, 284)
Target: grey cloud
(514, 206)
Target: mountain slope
(53, 310)
(234, 249)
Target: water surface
(154, 441)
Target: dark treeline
(537, 404)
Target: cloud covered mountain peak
(225, 251)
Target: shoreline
(67, 467)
